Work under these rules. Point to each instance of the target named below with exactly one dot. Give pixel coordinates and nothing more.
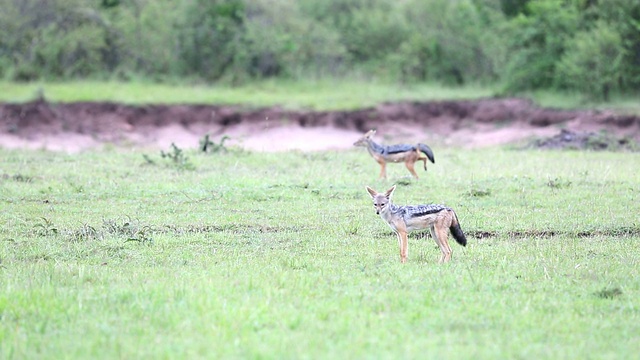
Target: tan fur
(401, 221)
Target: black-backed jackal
(396, 153)
(404, 219)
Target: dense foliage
(591, 46)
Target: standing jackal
(404, 219)
(396, 153)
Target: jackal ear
(370, 133)
(371, 192)
(389, 192)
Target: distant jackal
(404, 219)
(396, 153)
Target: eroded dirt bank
(474, 123)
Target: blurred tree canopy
(591, 46)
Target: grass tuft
(609, 293)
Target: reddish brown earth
(74, 127)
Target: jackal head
(363, 140)
(381, 200)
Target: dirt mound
(472, 123)
(567, 139)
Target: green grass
(320, 95)
(254, 255)
(317, 95)
(562, 100)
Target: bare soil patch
(75, 127)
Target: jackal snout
(363, 140)
(379, 206)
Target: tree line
(589, 46)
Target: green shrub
(593, 62)
(535, 43)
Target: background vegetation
(232, 254)
(586, 46)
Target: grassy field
(318, 95)
(250, 255)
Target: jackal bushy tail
(456, 231)
(428, 152)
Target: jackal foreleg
(404, 245)
(383, 168)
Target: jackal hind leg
(424, 160)
(410, 165)
(440, 235)
(434, 235)
(422, 157)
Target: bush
(536, 42)
(210, 37)
(281, 41)
(524, 44)
(446, 42)
(593, 62)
